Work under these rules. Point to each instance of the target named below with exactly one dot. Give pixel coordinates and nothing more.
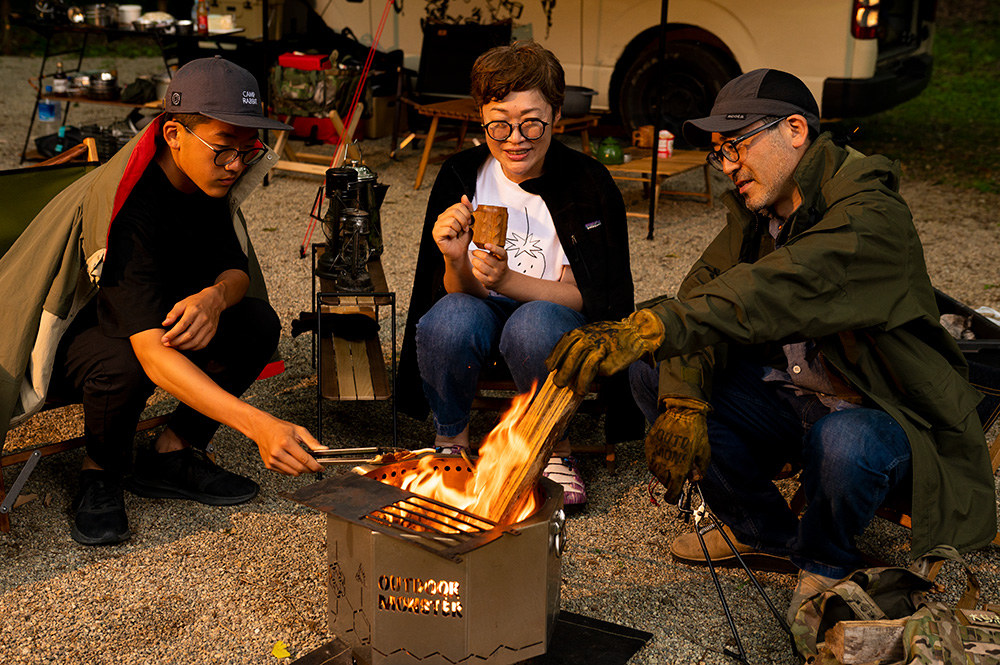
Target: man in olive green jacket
(807, 332)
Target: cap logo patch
(250, 97)
(735, 116)
(175, 99)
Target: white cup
(129, 13)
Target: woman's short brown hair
(523, 65)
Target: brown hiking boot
(687, 549)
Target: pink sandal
(564, 471)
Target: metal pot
(162, 81)
(102, 15)
(577, 101)
(103, 86)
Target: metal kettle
(370, 195)
(609, 152)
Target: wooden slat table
(353, 370)
(640, 168)
(464, 110)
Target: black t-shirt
(163, 246)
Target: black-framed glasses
(730, 149)
(531, 129)
(226, 156)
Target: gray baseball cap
(218, 89)
(750, 97)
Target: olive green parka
(849, 273)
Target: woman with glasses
(564, 262)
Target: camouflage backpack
(939, 635)
(314, 93)
(886, 593)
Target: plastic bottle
(47, 111)
(61, 145)
(202, 17)
(665, 145)
(60, 82)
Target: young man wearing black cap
(808, 333)
(180, 303)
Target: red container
(317, 129)
(304, 61)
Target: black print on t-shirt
(524, 253)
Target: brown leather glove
(604, 347)
(677, 445)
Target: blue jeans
(461, 333)
(850, 461)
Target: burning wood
(516, 451)
(511, 460)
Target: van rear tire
(693, 75)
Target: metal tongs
(376, 455)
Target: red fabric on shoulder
(272, 369)
(138, 160)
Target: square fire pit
(412, 580)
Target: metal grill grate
(441, 529)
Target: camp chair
(447, 54)
(24, 193)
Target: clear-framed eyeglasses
(730, 149)
(531, 129)
(226, 156)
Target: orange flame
(501, 452)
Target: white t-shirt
(533, 246)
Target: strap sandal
(564, 470)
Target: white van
(857, 56)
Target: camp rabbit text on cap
(221, 90)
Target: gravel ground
(200, 584)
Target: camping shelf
(175, 50)
(352, 370)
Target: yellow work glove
(677, 445)
(604, 347)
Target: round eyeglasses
(531, 129)
(226, 156)
(730, 149)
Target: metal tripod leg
(742, 655)
(753, 578)
(698, 514)
(22, 478)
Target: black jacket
(589, 216)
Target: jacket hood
(858, 173)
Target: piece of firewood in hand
(536, 433)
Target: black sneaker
(188, 474)
(100, 510)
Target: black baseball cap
(750, 97)
(221, 90)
